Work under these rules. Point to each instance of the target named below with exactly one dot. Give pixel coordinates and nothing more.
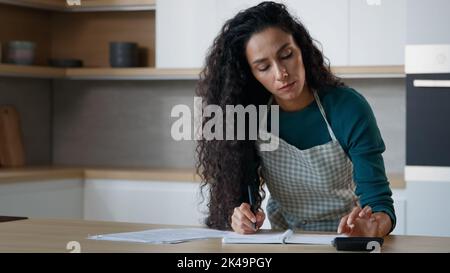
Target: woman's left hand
(364, 223)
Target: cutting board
(12, 152)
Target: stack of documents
(163, 236)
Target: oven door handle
(431, 83)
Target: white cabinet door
(185, 29)
(227, 9)
(43, 198)
(399, 197)
(154, 202)
(327, 22)
(428, 208)
(377, 32)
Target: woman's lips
(287, 87)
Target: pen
(251, 202)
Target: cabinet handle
(431, 83)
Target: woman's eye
(287, 55)
(263, 68)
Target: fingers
(347, 223)
(246, 210)
(243, 219)
(352, 216)
(343, 228)
(365, 212)
(260, 217)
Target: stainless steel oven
(428, 107)
(427, 171)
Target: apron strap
(322, 111)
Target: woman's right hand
(243, 219)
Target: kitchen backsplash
(32, 98)
(127, 123)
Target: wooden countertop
(53, 173)
(52, 235)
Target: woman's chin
(289, 95)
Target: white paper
(162, 236)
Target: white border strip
(425, 59)
(427, 173)
(431, 83)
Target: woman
(330, 150)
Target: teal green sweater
(355, 127)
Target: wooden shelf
(149, 73)
(132, 73)
(141, 73)
(113, 5)
(13, 70)
(86, 5)
(369, 71)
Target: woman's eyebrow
(263, 59)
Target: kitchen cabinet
(193, 25)
(157, 202)
(327, 22)
(145, 195)
(427, 207)
(184, 31)
(427, 22)
(71, 32)
(174, 36)
(202, 19)
(377, 32)
(59, 198)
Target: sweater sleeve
(365, 146)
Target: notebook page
(313, 239)
(162, 236)
(258, 238)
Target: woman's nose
(281, 74)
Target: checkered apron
(309, 189)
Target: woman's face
(276, 62)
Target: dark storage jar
(20, 52)
(123, 54)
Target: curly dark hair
(226, 167)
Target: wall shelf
(12, 70)
(146, 73)
(86, 5)
(349, 72)
(150, 73)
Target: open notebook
(287, 237)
